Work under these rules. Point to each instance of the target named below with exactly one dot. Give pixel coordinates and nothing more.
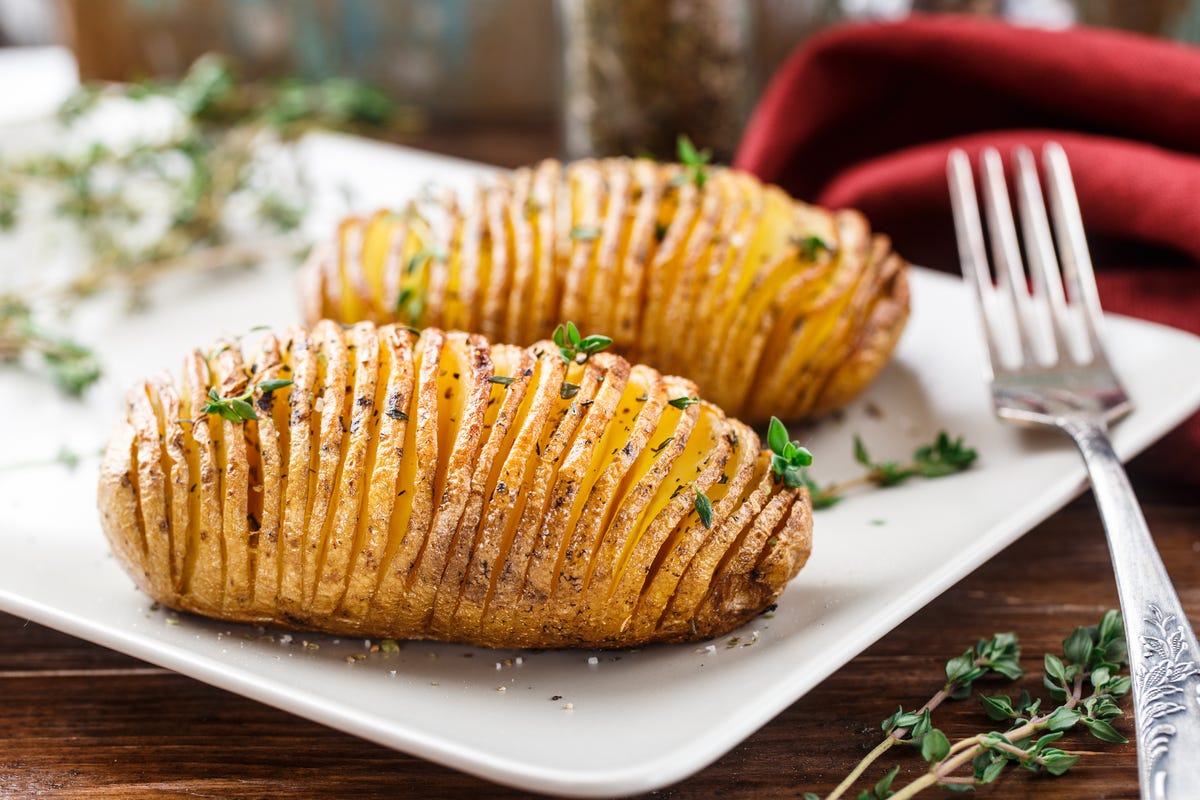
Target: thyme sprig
(239, 408)
(575, 348)
(788, 458)
(695, 163)
(945, 456)
(195, 185)
(1092, 657)
(72, 366)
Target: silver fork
(1048, 367)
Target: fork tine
(1006, 252)
(971, 251)
(1039, 248)
(1072, 245)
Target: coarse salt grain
(593, 661)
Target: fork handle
(1163, 650)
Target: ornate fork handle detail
(1163, 646)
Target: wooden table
(79, 721)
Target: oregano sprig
(1092, 656)
(239, 408)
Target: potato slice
(266, 494)
(410, 522)
(504, 609)
(539, 413)
(512, 364)
(204, 571)
(165, 399)
(395, 408)
(341, 532)
(444, 488)
(301, 354)
(151, 480)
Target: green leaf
(693, 160)
(704, 509)
(777, 436)
(242, 409)
(998, 707)
(594, 344)
(811, 796)
(560, 336)
(923, 725)
(883, 789)
(1103, 731)
(1007, 667)
(1057, 762)
(1062, 719)
(810, 246)
(573, 334)
(501, 380)
(682, 402)
(860, 453)
(1055, 668)
(1119, 687)
(893, 722)
(568, 390)
(959, 667)
(1111, 628)
(1078, 646)
(992, 771)
(273, 384)
(1100, 676)
(935, 746)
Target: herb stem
(895, 736)
(881, 748)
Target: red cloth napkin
(864, 116)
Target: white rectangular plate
(637, 720)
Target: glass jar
(639, 73)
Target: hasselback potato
(378, 482)
(772, 306)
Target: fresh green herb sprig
(683, 402)
(788, 458)
(695, 163)
(239, 408)
(201, 176)
(1092, 657)
(575, 348)
(71, 365)
(811, 246)
(945, 456)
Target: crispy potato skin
(434, 486)
(772, 306)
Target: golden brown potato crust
(772, 306)
(434, 486)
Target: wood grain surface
(79, 721)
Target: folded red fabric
(865, 115)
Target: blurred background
(534, 72)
